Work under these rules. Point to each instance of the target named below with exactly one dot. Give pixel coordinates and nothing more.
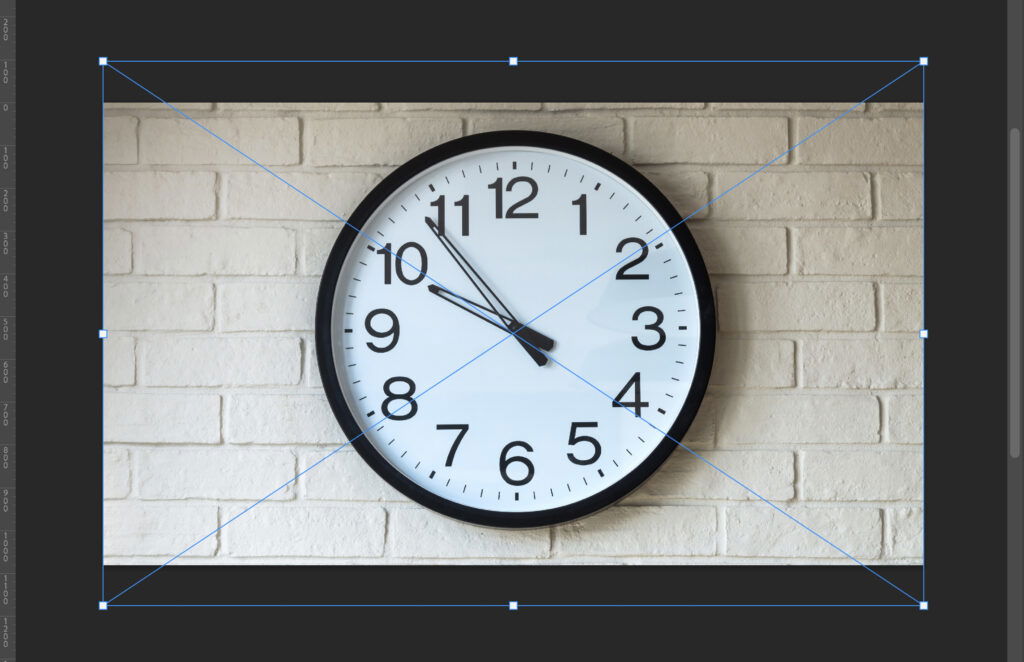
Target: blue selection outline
(510, 334)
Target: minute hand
(535, 338)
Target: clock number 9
(392, 331)
(504, 461)
(655, 326)
(574, 439)
(387, 253)
(623, 272)
(499, 208)
(410, 411)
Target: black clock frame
(325, 352)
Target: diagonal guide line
(507, 336)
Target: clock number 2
(637, 404)
(407, 397)
(463, 429)
(499, 208)
(505, 461)
(623, 272)
(576, 439)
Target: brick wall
(213, 396)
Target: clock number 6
(655, 326)
(392, 396)
(574, 439)
(504, 461)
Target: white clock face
(501, 234)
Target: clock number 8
(504, 461)
(407, 396)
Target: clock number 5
(505, 461)
(575, 439)
(463, 429)
(655, 326)
(499, 208)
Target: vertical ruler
(8, 325)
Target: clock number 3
(655, 326)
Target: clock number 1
(637, 404)
(581, 202)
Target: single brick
(343, 476)
(606, 133)
(793, 195)
(870, 363)
(462, 106)
(207, 473)
(798, 306)
(302, 530)
(791, 105)
(623, 105)
(754, 363)
(685, 189)
(314, 247)
(119, 361)
(907, 526)
(708, 139)
(267, 306)
(415, 532)
(376, 141)
(763, 531)
(258, 195)
(219, 361)
(899, 195)
(158, 105)
(159, 195)
(157, 306)
(905, 419)
(861, 140)
(861, 476)
(117, 480)
(267, 140)
(685, 476)
(797, 419)
(298, 106)
(282, 419)
(119, 142)
(164, 418)
(743, 250)
(641, 531)
(858, 251)
(902, 305)
(177, 250)
(117, 251)
(158, 529)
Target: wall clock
(483, 234)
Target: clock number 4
(636, 404)
(401, 262)
(512, 212)
(462, 203)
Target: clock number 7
(637, 404)
(463, 428)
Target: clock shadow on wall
(458, 256)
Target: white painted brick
(871, 363)
(708, 139)
(415, 532)
(685, 476)
(754, 363)
(463, 106)
(314, 247)
(119, 142)
(858, 251)
(116, 473)
(119, 361)
(267, 306)
(378, 141)
(157, 306)
(641, 531)
(899, 195)
(343, 476)
(298, 106)
(902, 306)
(889, 106)
(906, 525)
(177, 250)
(797, 419)
(685, 189)
(763, 531)
(117, 251)
(794, 195)
(258, 195)
(161, 418)
(219, 361)
(158, 529)
(158, 105)
(806, 306)
(312, 369)
(861, 140)
(282, 419)
(607, 133)
(208, 473)
(789, 105)
(732, 250)
(701, 434)
(268, 140)
(905, 419)
(625, 105)
(861, 475)
(159, 195)
(307, 531)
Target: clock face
(515, 231)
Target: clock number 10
(402, 262)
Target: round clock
(533, 233)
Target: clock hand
(510, 321)
(535, 338)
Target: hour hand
(529, 339)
